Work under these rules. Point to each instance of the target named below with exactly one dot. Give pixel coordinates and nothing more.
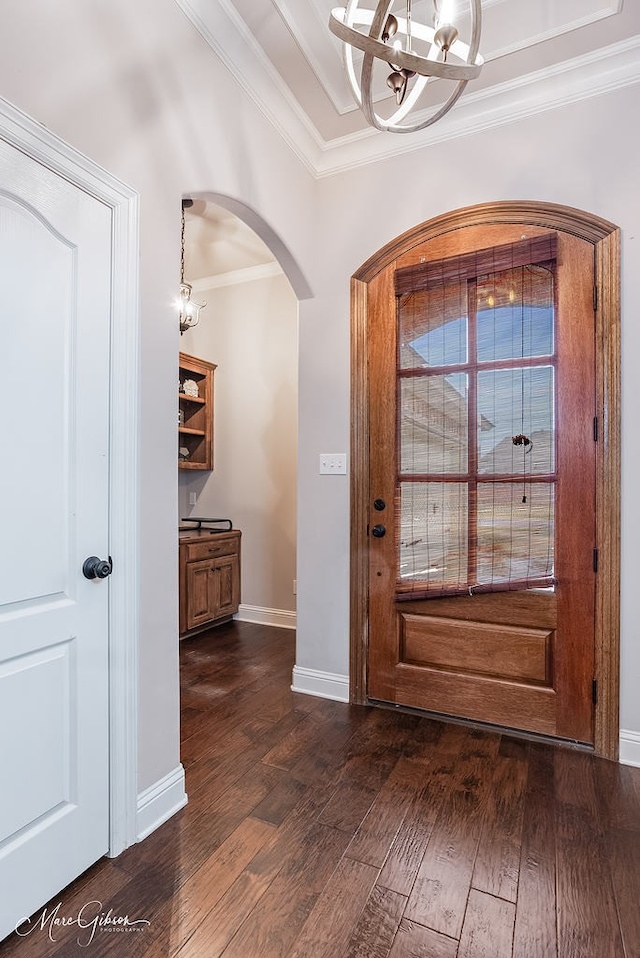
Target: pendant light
(413, 52)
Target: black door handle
(95, 568)
(378, 531)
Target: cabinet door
(228, 574)
(203, 592)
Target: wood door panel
(467, 241)
(475, 697)
(522, 659)
(576, 505)
(533, 608)
(503, 652)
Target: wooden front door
(482, 493)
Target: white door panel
(39, 755)
(55, 269)
(37, 280)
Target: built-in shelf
(195, 429)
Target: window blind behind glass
(476, 393)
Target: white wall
(250, 331)
(583, 155)
(134, 87)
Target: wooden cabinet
(209, 578)
(195, 417)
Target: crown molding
(602, 71)
(234, 277)
(231, 40)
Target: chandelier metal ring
(345, 22)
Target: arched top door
(448, 485)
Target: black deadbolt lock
(379, 505)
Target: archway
(252, 284)
(267, 234)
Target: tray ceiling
(537, 54)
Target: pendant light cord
(182, 249)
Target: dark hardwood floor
(319, 830)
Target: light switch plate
(333, 463)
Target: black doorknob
(95, 568)
(378, 532)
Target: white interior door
(55, 268)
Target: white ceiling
(538, 53)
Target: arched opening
(251, 284)
(279, 250)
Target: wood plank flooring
(319, 830)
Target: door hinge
(595, 560)
(595, 428)
(594, 691)
(595, 299)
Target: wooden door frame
(605, 238)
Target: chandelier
(412, 54)
(188, 310)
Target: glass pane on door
(515, 314)
(434, 424)
(515, 537)
(516, 421)
(433, 533)
(433, 327)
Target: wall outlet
(333, 464)
(193, 498)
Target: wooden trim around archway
(605, 238)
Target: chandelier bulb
(390, 28)
(397, 82)
(445, 37)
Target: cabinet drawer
(211, 549)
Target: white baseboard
(326, 685)
(629, 747)
(278, 617)
(159, 802)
